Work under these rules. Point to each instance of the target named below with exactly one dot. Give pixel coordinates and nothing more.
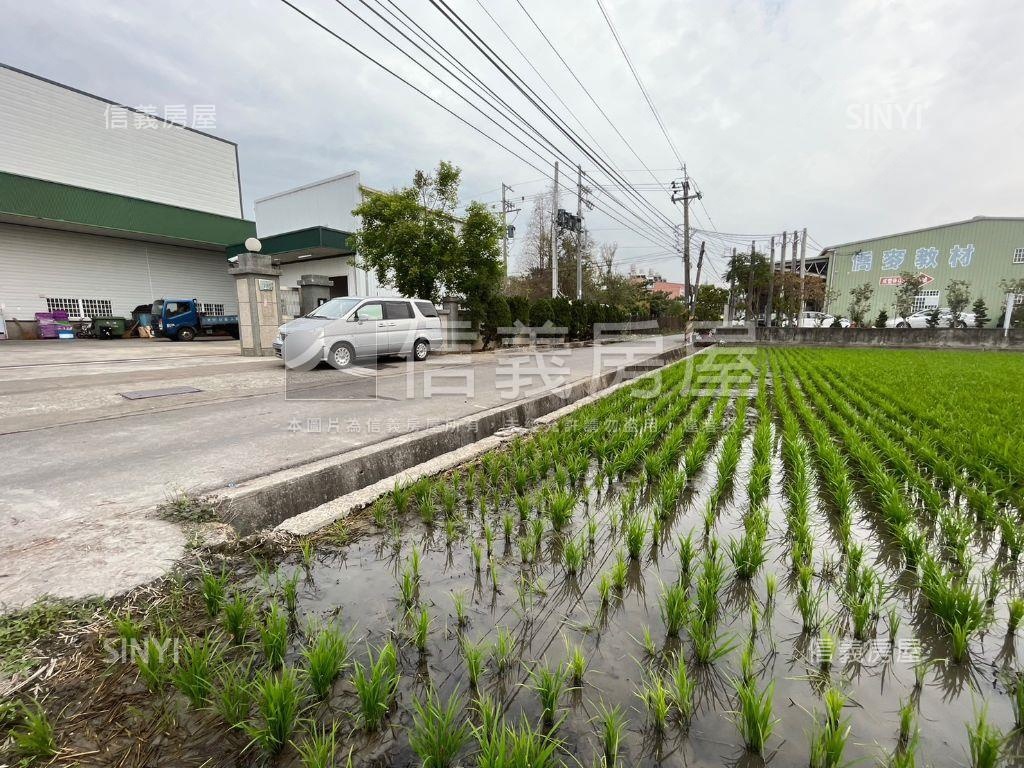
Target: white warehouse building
(104, 208)
(306, 231)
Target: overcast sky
(849, 118)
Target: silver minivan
(344, 330)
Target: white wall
(360, 282)
(326, 203)
(36, 263)
(54, 133)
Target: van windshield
(334, 309)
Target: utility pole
(686, 197)
(771, 283)
(750, 286)
(792, 266)
(554, 237)
(504, 228)
(579, 233)
(696, 283)
(803, 267)
(732, 287)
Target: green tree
(413, 242)
(958, 296)
(860, 300)
(882, 319)
(933, 318)
(907, 292)
(980, 310)
(710, 301)
(496, 316)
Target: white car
(920, 318)
(820, 320)
(346, 329)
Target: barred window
(1018, 256)
(926, 300)
(211, 309)
(97, 308)
(70, 306)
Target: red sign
(897, 280)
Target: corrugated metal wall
(991, 261)
(54, 133)
(36, 263)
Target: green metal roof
(25, 200)
(316, 241)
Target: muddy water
(359, 582)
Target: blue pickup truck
(182, 320)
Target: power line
(639, 82)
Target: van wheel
(420, 350)
(186, 334)
(341, 355)
(903, 325)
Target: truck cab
(182, 320)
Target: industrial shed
(104, 207)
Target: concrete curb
(269, 501)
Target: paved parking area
(84, 468)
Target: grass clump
(375, 686)
(675, 608)
(238, 616)
(34, 738)
(548, 682)
(274, 636)
(234, 694)
(657, 700)
(754, 715)
(194, 675)
(326, 656)
(986, 742)
(320, 747)
(439, 731)
(636, 533)
(279, 700)
(611, 731)
(828, 741)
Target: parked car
(920, 318)
(347, 329)
(820, 320)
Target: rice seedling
(319, 748)
(620, 572)
(754, 715)
(459, 602)
(636, 533)
(675, 608)
(986, 742)
(520, 745)
(523, 507)
(960, 639)
(908, 725)
(560, 508)
(193, 676)
(604, 589)
(504, 649)
(213, 588)
(425, 506)
(508, 524)
(421, 630)
(683, 688)
(234, 694)
(548, 682)
(274, 636)
(575, 663)
(35, 739)
(153, 663)
(748, 554)
(591, 531)
(492, 569)
(771, 585)
(290, 593)
(537, 529)
(238, 617)
(278, 700)
(449, 500)
(747, 660)
(489, 538)
(1015, 609)
(326, 657)
(655, 531)
(401, 495)
(809, 605)
(307, 552)
(475, 655)
(408, 589)
(611, 731)
(380, 511)
(416, 564)
(657, 701)
(439, 732)
(687, 557)
(828, 740)
(478, 556)
(573, 555)
(375, 686)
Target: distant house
(674, 290)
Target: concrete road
(84, 468)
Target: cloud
(852, 119)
